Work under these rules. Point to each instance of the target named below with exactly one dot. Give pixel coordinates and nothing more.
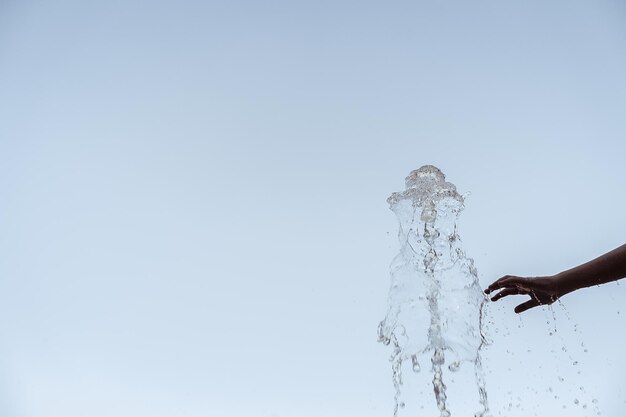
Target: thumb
(527, 305)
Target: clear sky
(192, 196)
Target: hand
(542, 290)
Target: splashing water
(435, 304)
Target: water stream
(435, 313)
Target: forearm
(606, 268)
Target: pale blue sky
(192, 194)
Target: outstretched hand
(542, 290)
(546, 290)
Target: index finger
(504, 282)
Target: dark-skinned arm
(546, 290)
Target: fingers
(507, 281)
(513, 285)
(508, 291)
(527, 305)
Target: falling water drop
(415, 364)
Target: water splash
(435, 303)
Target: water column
(435, 307)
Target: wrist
(564, 283)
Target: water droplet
(415, 364)
(454, 366)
